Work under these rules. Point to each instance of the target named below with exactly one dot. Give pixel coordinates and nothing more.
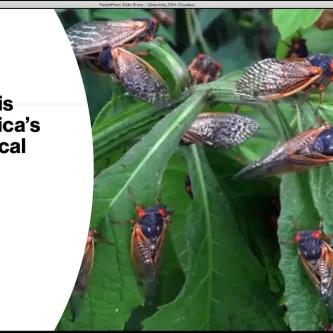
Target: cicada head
(323, 61)
(324, 142)
(310, 244)
(151, 221)
(152, 27)
(204, 69)
(298, 48)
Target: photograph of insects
(213, 157)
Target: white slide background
(45, 194)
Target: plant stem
(198, 32)
(189, 26)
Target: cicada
(272, 79)
(188, 186)
(204, 69)
(309, 149)
(84, 272)
(220, 130)
(89, 39)
(297, 48)
(148, 236)
(108, 56)
(317, 259)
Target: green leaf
(127, 14)
(83, 14)
(143, 169)
(226, 53)
(223, 289)
(114, 131)
(208, 16)
(175, 195)
(318, 41)
(289, 21)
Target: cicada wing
(283, 159)
(141, 254)
(82, 279)
(146, 265)
(220, 130)
(325, 270)
(314, 278)
(92, 36)
(140, 79)
(271, 79)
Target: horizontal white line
(165, 4)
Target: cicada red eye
(201, 56)
(316, 234)
(141, 212)
(162, 212)
(297, 238)
(218, 66)
(155, 21)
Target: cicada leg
(236, 109)
(133, 44)
(124, 222)
(141, 53)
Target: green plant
(221, 266)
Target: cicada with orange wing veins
(271, 79)
(204, 69)
(147, 241)
(309, 149)
(188, 186)
(220, 130)
(297, 48)
(101, 47)
(89, 39)
(82, 280)
(317, 259)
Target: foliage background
(222, 267)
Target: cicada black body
(309, 149)
(204, 69)
(297, 48)
(317, 259)
(188, 186)
(220, 130)
(101, 47)
(272, 79)
(148, 236)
